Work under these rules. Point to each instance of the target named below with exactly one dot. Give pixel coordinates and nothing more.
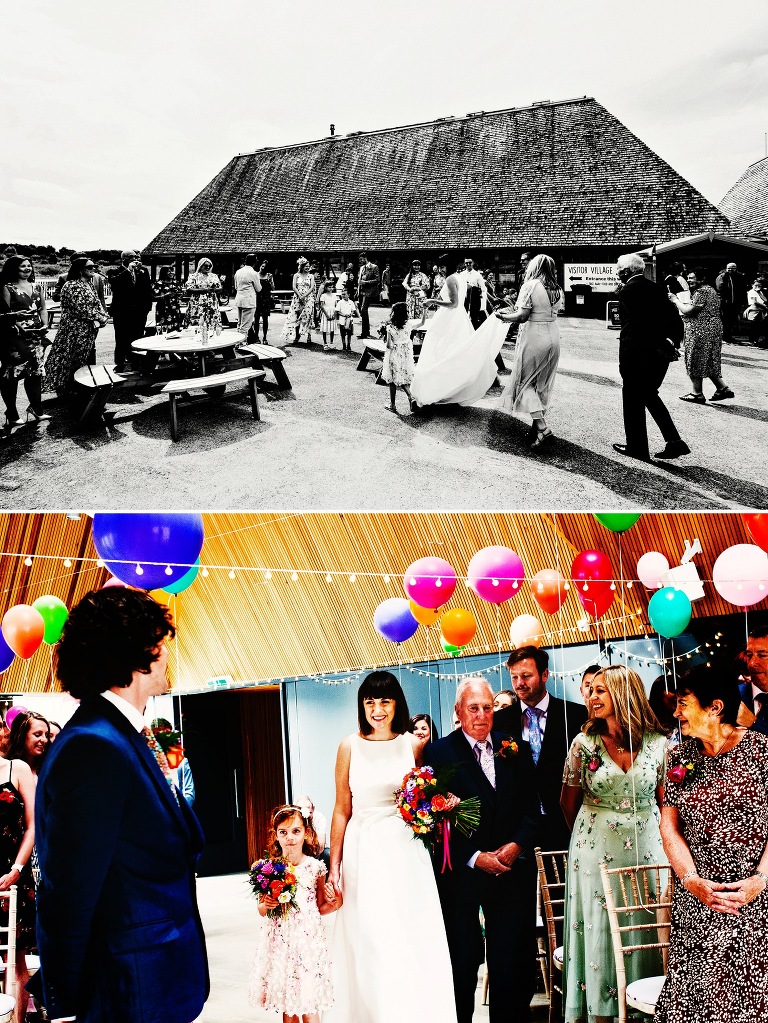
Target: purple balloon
(495, 574)
(394, 620)
(127, 539)
(13, 713)
(6, 654)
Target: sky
(115, 115)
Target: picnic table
(266, 357)
(187, 348)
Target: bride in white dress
(390, 923)
(457, 364)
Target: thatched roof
(551, 174)
(746, 204)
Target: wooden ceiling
(253, 629)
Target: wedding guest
(131, 303)
(586, 681)
(663, 703)
(327, 302)
(731, 286)
(167, 292)
(81, 318)
(398, 367)
(53, 730)
(416, 284)
(476, 297)
(504, 698)
(703, 340)
(202, 290)
(28, 739)
(439, 278)
(612, 789)
(369, 287)
(715, 829)
(386, 284)
(23, 326)
(757, 311)
(298, 322)
(754, 672)
(247, 287)
(423, 727)
(265, 302)
(345, 310)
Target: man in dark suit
(651, 328)
(118, 928)
(754, 693)
(494, 868)
(369, 288)
(549, 726)
(131, 302)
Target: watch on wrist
(17, 866)
(759, 873)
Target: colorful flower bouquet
(169, 742)
(275, 877)
(428, 808)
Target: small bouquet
(680, 772)
(275, 877)
(169, 742)
(428, 808)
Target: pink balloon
(526, 630)
(430, 582)
(12, 713)
(650, 569)
(593, 569)
(495, 574)
(114, 581)
(740, 575)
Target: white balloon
(650, 569)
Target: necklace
(724, 743)
(618, 746)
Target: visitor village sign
(599, 276)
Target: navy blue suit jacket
(118, 928)
(761, 724)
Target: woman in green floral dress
(612, 792)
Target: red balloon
(548, 590)
(596, 603)
(23, 629)
(757, 527)
(593, 568)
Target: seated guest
(715, 830)
(423, 727)
(549, 726)
(81, 317)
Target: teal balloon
(186, 580)
(617, 522)
(54, 614)
(669, 611)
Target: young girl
(328, 302)
(345, 310)
(398, 358)
(291, 971)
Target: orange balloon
(23, 629)
(425, 615)
(458, 626)
(548, 590)
(526, 630)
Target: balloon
(757, 526)
(526, 630)
(424, 615)
(112, 581)
(13, 712)
(651, 568)
(449, 647)
(127, 539)
(23, 628)
(669, 611)
(617, 522)
(548, 590)
(458, 626)
(495, 574)
(54, 613)
(393, 620)
(592, 568)
(186, 580)
(739, 573)
(6, 654)
(430, 582)
(596, 604)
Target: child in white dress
(345, 310)
(328, 302)
(292, 969)
(398, 366)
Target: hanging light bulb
(168, 570)
(231, 573)
(386, 578)
(438, 582)
(139, 570)
(294, 577)
(204, 573)
(100, 563)
(268, 575)
(353, 578)
(612, 586)
(630, 584)
(67, 563)
(28, 562)
(328, 577)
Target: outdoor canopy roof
(550, 174)
(254, 629)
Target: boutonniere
(680, 772)
(595, 761)
(508, 749)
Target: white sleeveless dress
(391, 922)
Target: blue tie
(534, 732)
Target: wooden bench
(216, 384)
(272, 359)
(99, 380)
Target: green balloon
(449, 647)
(54, 613)
(186, 580)
(617, 522)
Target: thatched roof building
(746, 203)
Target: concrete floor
(331, 444)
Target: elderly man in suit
(549, 726)
(651, 329)
(118, 928)
(494, 868)
(754, 692)
(131, 303)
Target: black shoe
(624, 450)
(674, 449)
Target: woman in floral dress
(416, 286)
(166, 290)
(298, 322)
(703, 340)
(24, 322)
(202, 288)
(612, 791)
(715, 829)
(81, 316)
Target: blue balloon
(394, 621)
(6, 654)
(669, 611)
(185, 582)
(127, 539)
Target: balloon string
(560, 623)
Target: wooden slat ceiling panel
(252, 629)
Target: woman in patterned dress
(301, 313)
(202, 288)
(166, 290)
(612, 790)
(715, 830)
(416, 286)
(703, 339)
(24, 323)
(81, 316)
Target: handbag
(384, 295)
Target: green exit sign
(225, 680)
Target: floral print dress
(168, 315)
(617, 824)
(81, 311)
(302, 309)
(203, 310)
(12, 825)
(416, 286)
(704, 334)
(32, 331)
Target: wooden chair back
(552, 868)
(8, 940)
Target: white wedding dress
(457, 364)
(390, 926)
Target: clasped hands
(500, 860)
(726, 898)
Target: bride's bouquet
(275, 877)
(430, 810)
